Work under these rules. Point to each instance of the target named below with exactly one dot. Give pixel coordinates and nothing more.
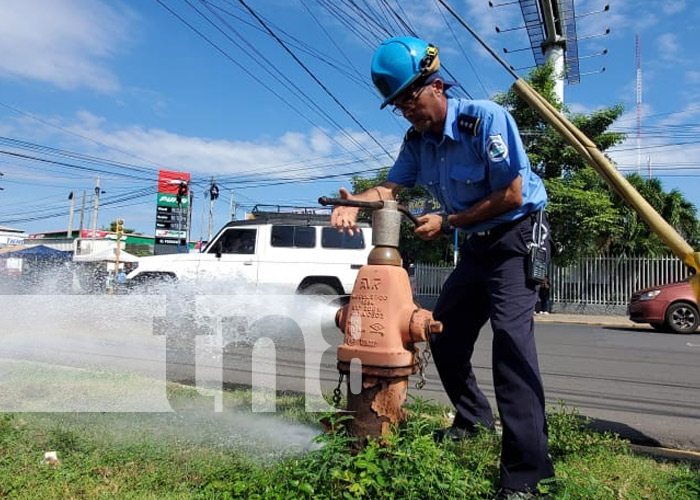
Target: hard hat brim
(428, 80)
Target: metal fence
(430, 278)
(597, 280)
(609, 280)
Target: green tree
(550, 155)
(586, 215)
(581, 214)
(637, 238)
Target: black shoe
(508, 494)
(453, 433)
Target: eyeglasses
(408, 99)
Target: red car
(669, 307)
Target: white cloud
(673, 7)
(292, 154)
(661, 149)
(669, 49)
(62, 42)
(578, 108)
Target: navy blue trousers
(490, 282)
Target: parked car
(279, 251)
(670, 307)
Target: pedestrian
(543, 293)
(470, 157)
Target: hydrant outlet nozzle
(422, 325)
(340, 317)
(434, 327)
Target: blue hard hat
(400, 61)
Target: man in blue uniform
(470, 157)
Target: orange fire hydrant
(381, 324)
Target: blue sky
(122, 89)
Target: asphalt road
(640, 383)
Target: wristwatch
(446, 227)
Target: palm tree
(637, 238)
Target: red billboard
(168, 181)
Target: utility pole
(554, 45)
(189, 218)
(213, 194)
(82, 215)
(95, 211)
(649, 166)
(638, 60)
(69, 233)
(1, 188)
(231, 206)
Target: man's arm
(497, 203)
(345, 218)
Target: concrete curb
(612, 321)
(667, 453)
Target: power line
(247, 71)
(302, 46)
(332, 40)
(461, 48)
(315, 78)
(68, 131)
(272, 68)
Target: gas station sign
(172, 210)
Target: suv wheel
(319, 289)
(682, 317)
(153, 283)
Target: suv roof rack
(291, 209)
(283, 218)
(288, 218)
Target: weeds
(137, 456)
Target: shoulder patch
(411, 133)
(496, 148)
(469, 124)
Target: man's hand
(430, 227)
(344, 218)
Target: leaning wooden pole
(590, 152)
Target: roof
(39, 252)
(11, 230)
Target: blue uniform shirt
(470, 161)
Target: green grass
(202, 455)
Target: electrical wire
(315, 78)
(277, 74)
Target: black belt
(505, 227)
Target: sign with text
(172, 209)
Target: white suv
(286, 252)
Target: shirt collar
(450, 128)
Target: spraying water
(65, 352)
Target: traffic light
(119, 226)
(181, 191)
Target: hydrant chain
(337, 393)
(423, 360)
